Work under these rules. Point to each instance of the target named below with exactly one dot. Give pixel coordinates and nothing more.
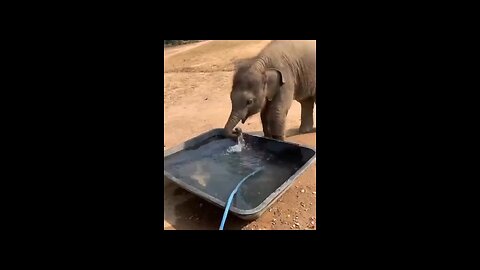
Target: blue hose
(229, 202)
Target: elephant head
(252, 88)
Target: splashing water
(239, 146)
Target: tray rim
(258, 210)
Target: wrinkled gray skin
(268, 83)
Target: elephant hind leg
(307, 115)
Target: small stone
(206, 98)
(270, 210)
(314, 192)
(274, 219)
(297, 224)
(302, 204)
(303, 190)
(288, 215)
(313, 222)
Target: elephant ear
(274, 80)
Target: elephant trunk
(231, 123)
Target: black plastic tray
(272, 145)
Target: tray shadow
(185, 211)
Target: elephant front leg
(265, 122)
(307, 115)
(279, 109)
(277, 124)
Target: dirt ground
(198, 79)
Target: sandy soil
(198, 80)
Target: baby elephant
(268, 83)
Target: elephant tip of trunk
(232, 133)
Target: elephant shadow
(288, 133)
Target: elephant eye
(250, 101)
